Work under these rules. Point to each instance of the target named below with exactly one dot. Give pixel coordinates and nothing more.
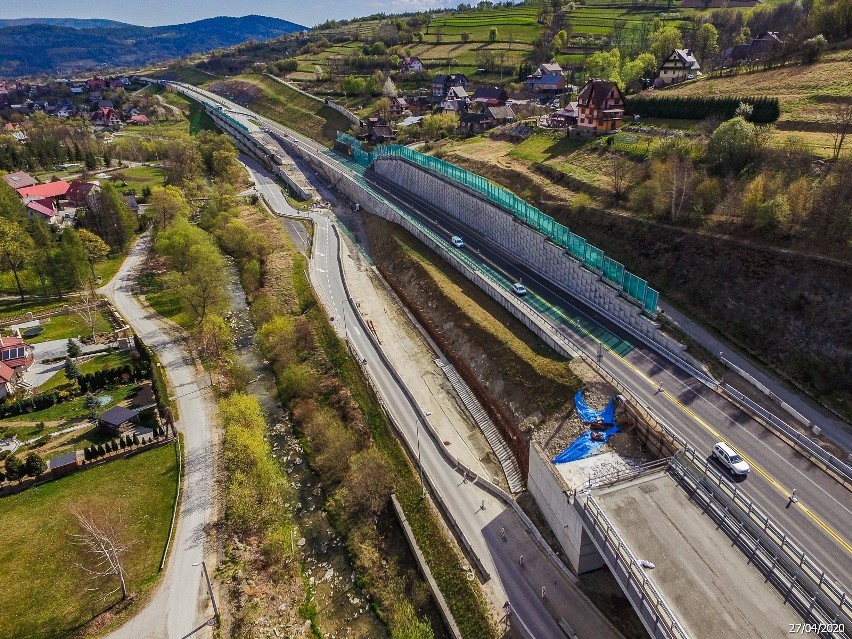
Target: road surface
(180, 603)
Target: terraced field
(518, 24)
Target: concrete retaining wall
(553, 496)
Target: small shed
(118, 420)
(64, 464)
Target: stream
(343, 609)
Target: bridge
(803, 551)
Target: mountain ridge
(44, 48)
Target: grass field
(44, 593)
(99, 362)
(189, 75)
(66, 411)
(278, 102)
(68, 325)
(140, 176)
(518, 24)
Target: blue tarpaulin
(584, 446)
(588, 415)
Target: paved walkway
(832, 426)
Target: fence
(801, 581)
(631, 285)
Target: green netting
(613, 271)
(634, 287)
(234, 122)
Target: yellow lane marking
(772, 481)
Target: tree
(14, 468)
(664, 41)
(96, 249)
(11, 204)
(100, 541)
(177, 241)
(166, 204)
(72, 371)
(73, 347)
(16, 250)
(641, 67)
(203, 289)
(109, 218)
(842, 121)
(813, 48)
(214, 336)
(492, 34)
(91, 405)
(389, 88)
(465, 36)
(622, 172)
(604, 65)
(706, 41)
(34, 465)
(735, 143)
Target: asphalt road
(820, 520)
(180, 603)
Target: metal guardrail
(809, 446)
(655, 614)
(801, 582)
(628, 474)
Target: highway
(819, 521)
(700, 415)
(477, 512)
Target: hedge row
(111, 376)
(125, 441)
(766, 109)
(29, 404)
(161, 390)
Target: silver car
(730, 459)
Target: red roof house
(35, 208)
(139, 119)
(50, 189)
(15, 353)
(79, 191)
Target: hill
(74, 23)
(29, 49)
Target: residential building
(40, 210)
(19, 180)
(679, 66)
(546, 84)
(106, 117)
(500, 114)
(78, 192)
(456, 100)
(441, 84)
(379, 131)
(15, 358)
(490, 96)
(600, 106)
(397, 106)
(411, 64)
(52, 190)
(755, 52)
(549, 68)
(564, 118)
(139, 119)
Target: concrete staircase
(486, 426)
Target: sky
(157, 12)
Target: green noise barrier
(633, 287)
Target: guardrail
(628, 474)
(799, 579)
(805, 443)
(656, 616)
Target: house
(19, 180)
(64, 464)
(564, 118)
(549, 68)
(78, 192)
(53, 190)
(397, 106)
(490, 96)
(15, 358)
(139, 119)
(411, 64)
(600, 106)
(474, 122)
(105, 104)
(96, 84)
(500, 114)
(411, 120)
(546, 84)
(77, 90)
(679, 66)
(39, 210)
(118, 420)
(441, 84)
(456, 100)
(754, 52)
(379, 131)
(420, 105)
(106, 117)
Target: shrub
(35, 465)
(764, 109)
(14, 468)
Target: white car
(730, 459)
(519, 288)
(457, 241)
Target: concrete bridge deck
(706, 581)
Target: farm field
(45, 593)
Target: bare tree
(622, 172)
(842, 126)
(682, 177)
(101, 543)
(87, 308)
